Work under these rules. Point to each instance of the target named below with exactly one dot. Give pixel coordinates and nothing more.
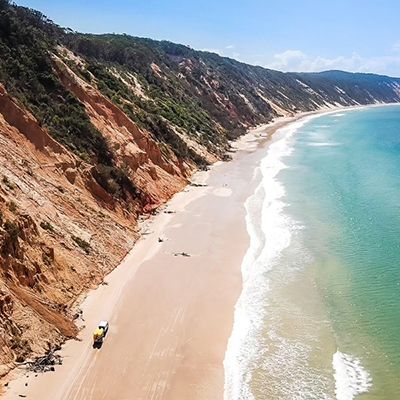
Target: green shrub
(83, 244)
(12, 206)
(12, 229)
(47, 226)
(8, 183)
(46, 259)
(115, 181)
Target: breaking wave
(270, 233)
(351, 379)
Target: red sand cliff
(61, 232)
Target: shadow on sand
(97, 345)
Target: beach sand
(170, 314)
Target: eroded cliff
(60, 231)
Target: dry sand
(170, 315)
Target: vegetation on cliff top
(27, 38)
(27, 73)
(170, 90)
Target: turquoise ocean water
(319, 315)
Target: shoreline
(249, 316)
(242, 378)
(170, 339)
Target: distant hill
(96, 130)
(233, 94)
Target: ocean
(319, 314)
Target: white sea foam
(270, 233)
(338, 115)
(322, 126)
(351, 379)
(323, 144)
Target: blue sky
(297, 35)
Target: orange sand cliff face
(60, 232)
(155, 174)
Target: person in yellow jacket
(98, 334)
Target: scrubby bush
(12, 206)
(83, 244)
(47, 226)
(12, 229)
(8, 183)
(115, 181)
(46, 258)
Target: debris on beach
(44, 363)
(78, 314)
(197, 184)
(169, 212)
(183, 254)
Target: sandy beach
(171, 302)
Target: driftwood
(182, 254)
(44, 363)
(197, 184)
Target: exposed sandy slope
(170, 315)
